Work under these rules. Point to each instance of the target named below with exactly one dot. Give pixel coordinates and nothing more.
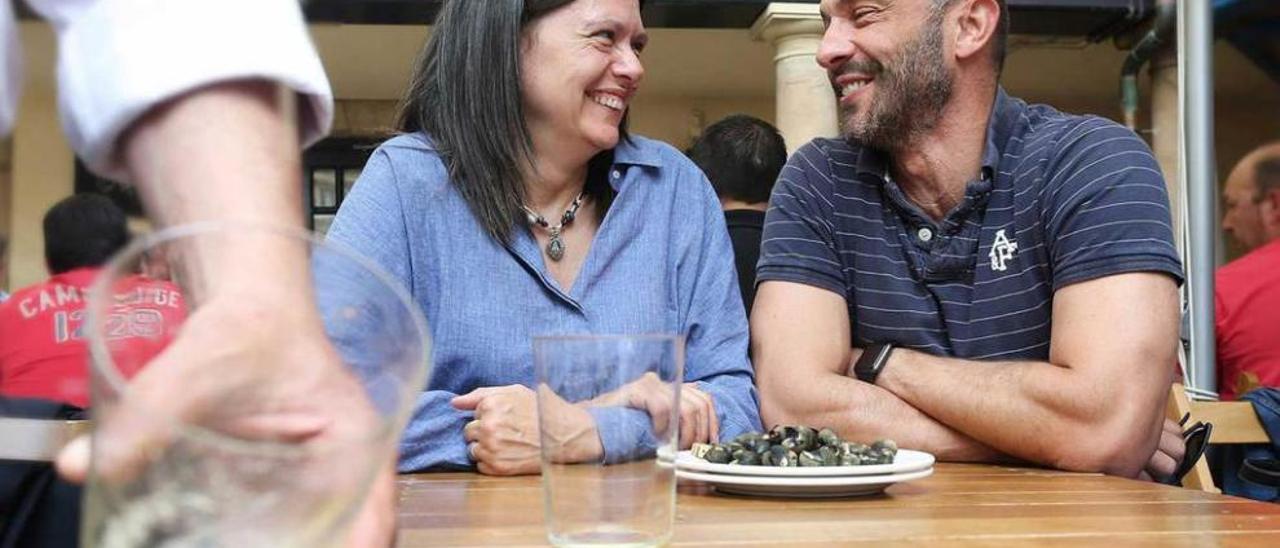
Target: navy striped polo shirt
(1061, 199)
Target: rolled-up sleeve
(626, 434)
(10, 68)
(119, 58)
(715, 325)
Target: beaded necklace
(555, 247)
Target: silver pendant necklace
(555, 247)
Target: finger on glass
(250, 425)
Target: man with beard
(963, 272)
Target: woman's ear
(977, 22)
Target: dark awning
(1090, 18)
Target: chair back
(1233, 422)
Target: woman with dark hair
(514, 204)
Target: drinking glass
(240, 468)
(630, 386)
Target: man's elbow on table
(1119, 444)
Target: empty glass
(630, 386)
(281, 453)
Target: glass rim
(103, 364)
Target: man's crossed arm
(1096, 405)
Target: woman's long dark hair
(466, 94)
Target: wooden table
(973, 505)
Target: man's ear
(977, 20)
(1269, 210)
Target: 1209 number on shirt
(142, 322)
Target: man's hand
(504, 437)
(251, 372)
(229, 152)
(1168, 455)
(698, 420)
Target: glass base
(617, 537)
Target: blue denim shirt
(661, 262)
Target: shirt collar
(636, 152)
(630, 151)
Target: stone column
(806, 104)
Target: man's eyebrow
(826, 17)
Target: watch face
(872, 361)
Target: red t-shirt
(42, 349)
(1247, 322)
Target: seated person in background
(42, 348)
(742, 156)
(963, 272)
(4, 265)
(514, 205)
(1247, 292)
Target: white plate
(905, 461)
(846, 486)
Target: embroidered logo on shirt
(1002, 251)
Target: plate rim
(685, 458)
(804, 482)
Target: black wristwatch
(871, 362)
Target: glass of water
(630, 386)
(282, 453)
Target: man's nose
(836, 47)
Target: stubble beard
(909, 97)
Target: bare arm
(800, 343)
(230, 152)
(1096, 405)
(226, 152)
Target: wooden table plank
(960, 505)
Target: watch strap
(872, 361)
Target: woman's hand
(503, 439)
(698, 420)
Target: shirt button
(925, 234)
(616, 174)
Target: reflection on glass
(324, 185)
(630, 501)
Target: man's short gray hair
(1266, 176)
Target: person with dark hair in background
(1247, 290)
(741, 156)
(42, 351)
(969, 274)
(515, 204)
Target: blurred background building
(707, 59)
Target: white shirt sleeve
(10, 67)
(118, 58)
